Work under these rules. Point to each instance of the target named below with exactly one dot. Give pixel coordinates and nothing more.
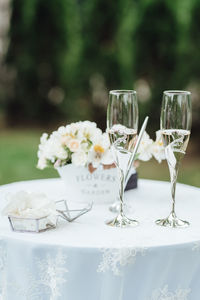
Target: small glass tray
(37, 225)
(32, 225)
(71, 214)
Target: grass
(18, 159)
(189, 172)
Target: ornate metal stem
(121, 191)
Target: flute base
(115, 207)
(122, 221)
(172, 221)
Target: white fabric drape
(88, 260)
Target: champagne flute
(175, 124)
(122, 125)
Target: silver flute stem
(133, 154)
(173, 178)
(121, 191)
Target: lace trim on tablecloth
(196, 246)
(52, 273)
(165, 294)
(114, 259)
(50, 277)
(3, 281)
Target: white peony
(57, 151)
(51, 150)
(73, 145)
(42, 162)
(145, 148)
(43, 138)
(88, 131)
(65, 139)
(107, 158)
(73, 129)
(158, 149)
(79, 158)
(62, 130)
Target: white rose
(145, 148)
(53, 149)
(73, 129)
(73, 145)
(158, 149)
(65, 139)
(107, 158)
(85, 146)
(88, 130)
(79, 158)
(42, 163)
(43, 138)
(58, 151)
(62, 130)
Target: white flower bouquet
(83, 144)
(79, 149)
(80, 143)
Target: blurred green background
(59, 59)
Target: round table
(87, 260)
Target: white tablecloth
(87, 260)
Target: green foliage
(18, 157)
(156, 53)
(195, 41)
(44, 45)
(66, 55)
(125, 42)
(99, 25)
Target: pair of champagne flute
(122, 126)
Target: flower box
(82, 154)
(101, 186)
